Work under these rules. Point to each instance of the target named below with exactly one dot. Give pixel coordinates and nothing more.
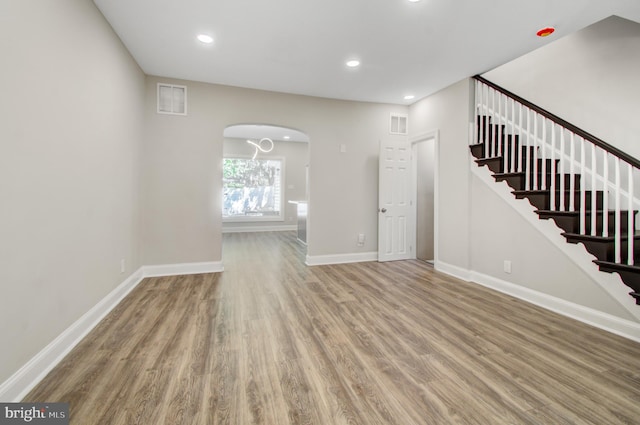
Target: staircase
(571, 177)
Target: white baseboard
(605, 321)
(360, 257)
(184, 268)
(616, 325)
(250, 229)
(609, 282)
(451, 270)
(20, 383)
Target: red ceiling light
(544, 32)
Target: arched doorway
(265, 179)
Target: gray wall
(590, 78)
(84, 155)
(477, 229)
(182, 159)
(296, 155)
(500, 233)
(71, 125)
(448, 112)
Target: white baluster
(583, 210)
(617, 211)
(630, 221)
(594, 172)
(513, 136)
(476, 111)
(562, 161)
(536, 185)
(500, 134)
(605, 194)
(484, 119)
(552, 202)
(572, 183)
(543, 143)
(527, 164)
(493, 121)
(521, 137)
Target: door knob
(383, 210)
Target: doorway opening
(425, 165)
(265, 179)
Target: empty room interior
(371, 212)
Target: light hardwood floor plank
(271, 341)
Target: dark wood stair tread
(577, 212)
(630, 275)
(546, 171)
(580, 237)
(618, 266)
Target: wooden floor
(270, 341)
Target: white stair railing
(552, 155)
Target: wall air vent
(172, 99)
(399, 124)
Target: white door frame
(413, 141)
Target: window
(252, 189)
(172, 99)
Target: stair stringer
(609, 282)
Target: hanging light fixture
(259, 146)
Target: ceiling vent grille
(172, 99)
(399, 124)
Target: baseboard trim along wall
(616, 325)
(451, 270)
(609, 282)
(250, 229)
(184, 268)
(20, 383)
(321, 260)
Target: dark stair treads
(603, 248)
(569, 221)
(510, 146)
(503, 153)
(494, 164)
(517, 181)
(630, 275)
(541, 199)
(477, 150)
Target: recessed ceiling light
(204, 38)
(414, 1)
(409, 97)
(287, 137)
(353, 63)
(544, 32)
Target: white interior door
(395, 225)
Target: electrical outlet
(507, 266)
(361, 239)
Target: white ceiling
(301, 46)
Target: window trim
(257, 219)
